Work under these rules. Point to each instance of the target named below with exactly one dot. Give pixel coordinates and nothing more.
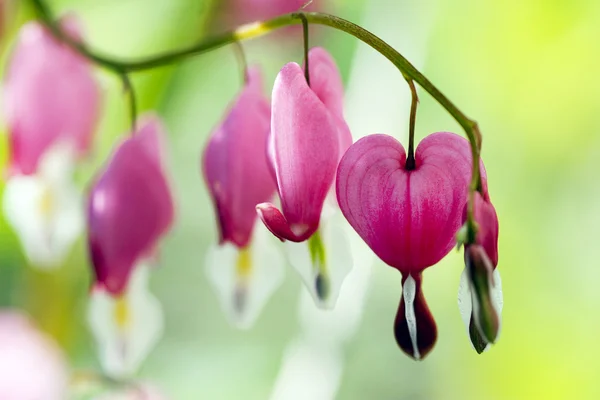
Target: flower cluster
(279, 170)
(408, 212)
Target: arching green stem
(257, 29)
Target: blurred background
(526, 70)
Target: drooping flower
(244, 269)
(51, 106)
(50, 96)
(130, 208)
(480, 291)
(408, 217)
(32, 366)
(308, 137)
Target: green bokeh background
(526, 70)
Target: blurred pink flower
(244, 268)
(130, 206)
(50, 96)
(32, 367)
(235, 163)
(130, 209)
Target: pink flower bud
(308, 137)
(235, 163)
(50, 95)
(130, 206)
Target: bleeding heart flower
(308, 137)
(51, 105)
(244, 269)
(130, 208)
(50, 96)
(32, 367)
(409, 217)
(480, 291)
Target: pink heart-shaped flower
(409, 218)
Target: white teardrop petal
(46, 209)
(464, 299)
(126, 328)
(338, 260)
(409, 291)
(245, 279)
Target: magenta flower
(243, 268)
(129, 210)
(130, 207)
(235, 163)
(50, 96)
(308, 138)
(409, 218)
(32, 365)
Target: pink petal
(235, 163)
(408, 218)
(487, 220)
(308, 136)
(50, 94)
(326, 82)
(130, 208)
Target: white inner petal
(465, 305)
(46, 209)
(244, 280)
(409, 291)
(338, 258)
(127, 328)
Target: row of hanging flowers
(279, 170)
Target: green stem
(257, 29)
(414, 101)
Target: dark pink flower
(243, 268)
(409, 217)
(130, 207)
(50, 95)
(308, 137)
(235, 163)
